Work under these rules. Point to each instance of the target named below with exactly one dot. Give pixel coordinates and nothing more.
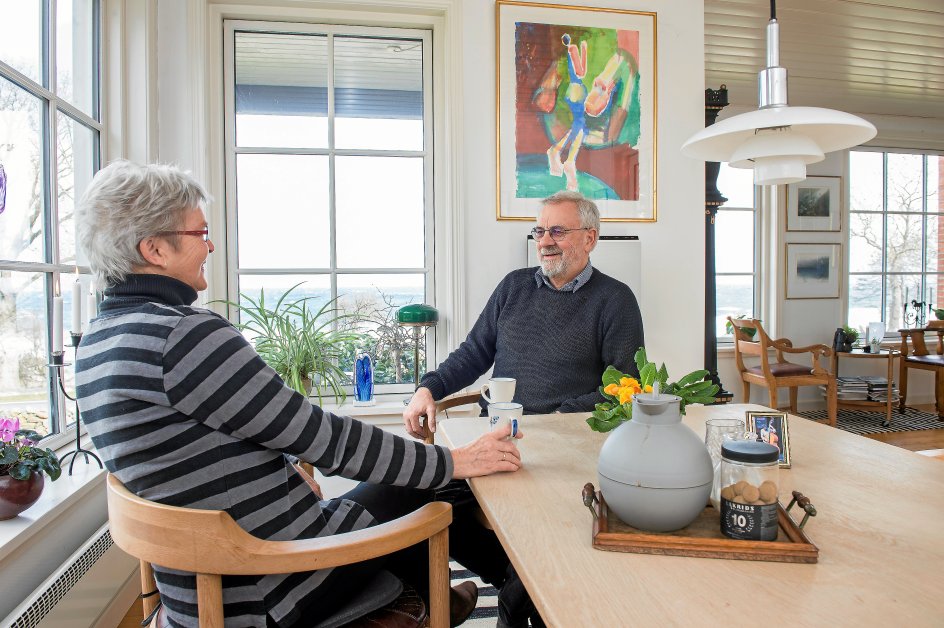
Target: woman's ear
(152, 250)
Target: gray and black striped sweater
(184, 412)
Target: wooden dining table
(879, 529)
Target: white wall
(673, 247)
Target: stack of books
(864, 388)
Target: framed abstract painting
(577, 108)
(815, 204)
(813, 271)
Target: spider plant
(302, 345)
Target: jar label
(749, 522)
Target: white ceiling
(862, 56)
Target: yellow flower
(628, 381)
(612, 389)
(626, 394)
(648, 388)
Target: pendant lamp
(777, 140)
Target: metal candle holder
(56, 364)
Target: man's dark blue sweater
(555, 343)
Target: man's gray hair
(589, 214)
(126, 203)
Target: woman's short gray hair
(126, 203)
(589, 214)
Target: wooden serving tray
(701, 538)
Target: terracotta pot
(18, 495)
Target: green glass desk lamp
(420, 317)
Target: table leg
(888, 390)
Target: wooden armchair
(210, 544)
(916, 355)
(781, 373)
(459, 399)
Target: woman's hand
(492, 452)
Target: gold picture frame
(771, 427)
(815, 204)
(812, 270)
(576, 108)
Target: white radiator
(44, 599)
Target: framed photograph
(771, 427)
(812, 271)
(815, 204)
(576, 90)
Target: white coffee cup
(505, 413)
(501, 389)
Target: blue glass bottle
(363, 380)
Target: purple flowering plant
(19, 457)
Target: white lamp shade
(778, 142)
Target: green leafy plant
(302, 345)
(19, 457)
(748, 331)
(939, 313)
(851, 334)
(619, 390)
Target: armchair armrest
(782, 345)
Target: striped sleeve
(212, 374)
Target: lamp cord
(773, 9)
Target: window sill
(57, 498)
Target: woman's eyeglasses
(557, 233)
(203, 233)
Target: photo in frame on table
(813, 270)
(771, 427)
(576, 90)
(815, 204)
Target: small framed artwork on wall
(815, 204)
(812, 271)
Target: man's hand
(421, 404)
(492, 452)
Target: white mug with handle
(499, 389)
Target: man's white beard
(553, 268)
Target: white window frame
(58, 274)
(231, 150)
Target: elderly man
(554, 329)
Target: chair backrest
(919, 346)
(749, 339)
(209, 543)
(460, 399)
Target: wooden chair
(210, 544)
(915, 355)
(459, 399)
(781, 373)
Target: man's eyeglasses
(203, 233)
(557, 233)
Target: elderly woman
(185, 412)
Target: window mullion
(332, 190)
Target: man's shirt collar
(571, 286)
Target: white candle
(77, 307)
(91, 309)
(655, 388)
(57, 324)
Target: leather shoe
(462, 599)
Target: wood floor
(927, 442)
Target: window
(734, 248)
(329, 176)
(50, 128)
(895, 237)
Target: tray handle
(589, 497)
(804, 502)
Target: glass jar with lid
(749, 490)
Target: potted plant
(302, 345)
(850, 336)
(22, 465)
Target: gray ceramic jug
(655, 472)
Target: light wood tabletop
(878, 529)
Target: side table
(889, 356)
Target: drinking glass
(716, 430)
